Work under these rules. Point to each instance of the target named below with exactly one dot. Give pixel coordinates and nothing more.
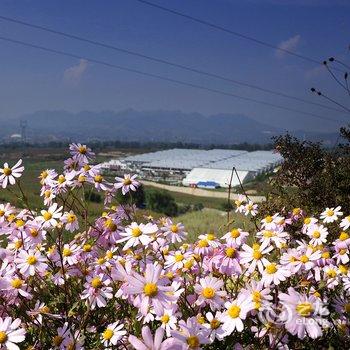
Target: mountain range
(148, 126)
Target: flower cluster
(70, 281)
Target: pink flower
(71, 221)
(81, 153)
(127, 183)
(209, 292)
(31, 262)
(191, 334)
(302, 314)
(150, 290)
(149, 343)
(9, 175)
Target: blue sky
(33, 80)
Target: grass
(210, 220)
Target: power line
(160, 77)
(163, 61)
(232, 32)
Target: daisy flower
(174, 232)
(345, 223)
(9, 175)
(112, 334)
(150, 343)
(235, 312)
(150, 290)
(127, 183)
(81, 153)
(274, 274)
(49, 217)
(71, 221)
(11, 333)
(30, 263)
(191, 334)
(209, 292)
(138, 234)
(215, 326)
(251, 209)
(235, 237)
(259, 295)
(302, 314)
(308, 222)
(331, 214)
(318, 235)
(168, 320)
(253, 257)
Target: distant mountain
(171, 126)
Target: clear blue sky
(32, 80)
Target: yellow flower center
(16, 283)
(47, 216)
(256, 296)
(3, 337)
(2, 212)
(203, 243)
(47, 193)
(234, 311)
(98, 178)
(347, 307)
(7, 171)
(110, 225)
(188, 264)
(316, 234)
(71, 218)
(174, 229)
(343, 236)
(150, 289)
(271, 269)
(107, 334)
(326, 255)
(304, 309)
(165, 318)
(230, 252)
(330, 212)
(61, 179)
(96, 282)
(342, 251)
(307, 221)
(268, 234)
(34, 232)
(20, 223)
(67, 252)
(332, 273)
(257, 254)
(136, 232)
(81, 178)
(57, 340)
(208, 292)
(235, 233)
(296, 211)
(214, 323)
(178, 257)
(268, 219)
(193, 342)
(82, 149)
(87, 248)
(127, 182)
(32, 260)
(87, 167)
(18, 244)
(304, 259)
(210, 236)
(343, 269)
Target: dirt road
(199, 192)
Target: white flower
(318, 235)
(331, 214)
(236, 311)
(274, 274)
(112, 334)
(49, 217)
(30, 262)
(253, 257)
(10, 333)
(136, 234)
(345, 223)
(10, 174)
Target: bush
(161, 202)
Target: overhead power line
(167, 62)
(160, 77)
(232, 32)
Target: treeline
(105, 145)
